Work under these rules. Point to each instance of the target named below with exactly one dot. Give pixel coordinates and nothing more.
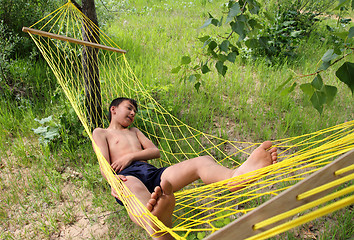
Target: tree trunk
(90, 67)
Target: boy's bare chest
(123, 140)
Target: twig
(107, 8)
(243, 7)
(317, 72)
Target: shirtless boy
(127, 150)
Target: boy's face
(124, 113)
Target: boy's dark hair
(118, 101)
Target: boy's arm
(99, 138)
(149, 151)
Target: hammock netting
(200, 209)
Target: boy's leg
(188, 171)
(162, 208)
(206, 169)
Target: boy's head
(118, 101)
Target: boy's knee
(204, 160)
(208, 158)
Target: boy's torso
(122, 142)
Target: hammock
(201, 210)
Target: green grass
(48, 191)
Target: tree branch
(107, 8)
(319, 71)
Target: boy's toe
(158, 191)
(265, 145)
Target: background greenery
(49, 176)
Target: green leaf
(185, 60)
(307, 89)
(329, 28)
(254, 24)
(268, 16)
(233, 12)
(252, 43)
(192, 236)
(331, 92)
(222, 58)
(197, 86)
(287, 23)
(329, 56)
(207, 23)
(51, 134)
(219, 224)
(227, 221)
(192, 78)
(206, 42)
(224, 46)
(346, 74)
(288, 90)
(222, 69)
(318, 99)
(201, 235)
(197, 76)
(283, 84)
(239, 28)
(231, 57)
(338, 51)
(205, 69)
(295, 33)
(351, 31)
(342, 35)
(234, 49)
(204, 38)
(317, 82)
(341, 4)
(220, 22)
(212, 45)
(263, 41)
(176, 69)
(40, 130)
(44, 120)
(215, 22)
(324, 65)
(253, 6)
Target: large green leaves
(319, 93)
(233, 12)
(279, 40)
(318, 99)
(346, 74)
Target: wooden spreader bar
(242, 228)
(72, 40)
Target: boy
(127, 150)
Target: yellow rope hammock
(200, 209)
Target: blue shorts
(148, 174)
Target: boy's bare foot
(162, 204)
(261, 157)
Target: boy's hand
(121, 163)
(113, 192)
